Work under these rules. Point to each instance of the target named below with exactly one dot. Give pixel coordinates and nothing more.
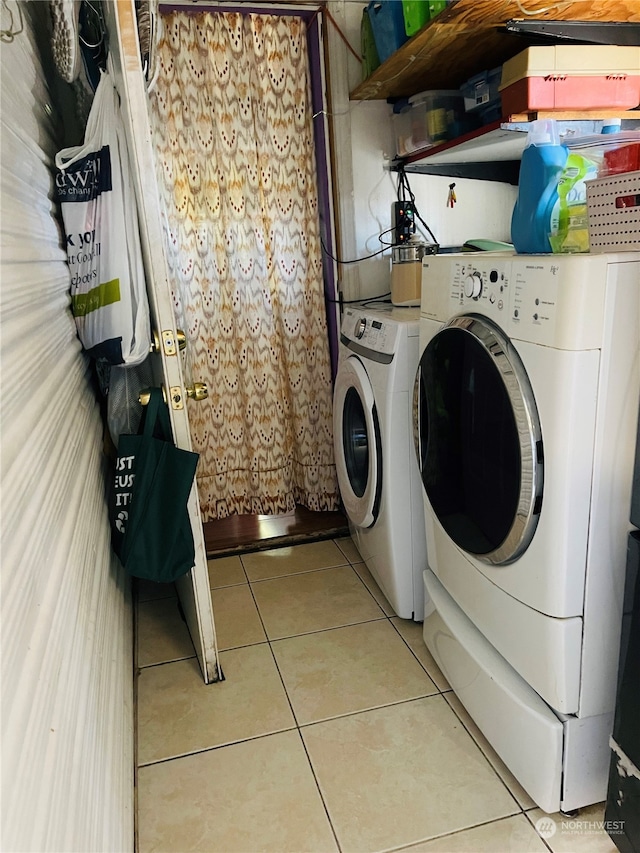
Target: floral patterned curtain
(231, 117)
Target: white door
(193, 588)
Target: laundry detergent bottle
(543, 161)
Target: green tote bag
(150, 526)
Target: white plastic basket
(613, 204)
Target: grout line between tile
(448, 834)
(217, 746)
(368, 590)
(544, 840)
(317, 781)
(242, 646)
(370, 710)
(399, 633)
(297, 726)
(390, 704)
(163, 662)
(323, 630)
(275, 661)
(304, 572)
(228, 585)
(462, 723)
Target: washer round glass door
(357, 443)
(478, 439)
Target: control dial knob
(473, 285)
(361, 325)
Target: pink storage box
(571, 77)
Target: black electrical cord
(375, 299)
(357, 261)
(385, 246)
(362, 302)
(404, 190)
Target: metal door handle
(198, 391)
(168, 341)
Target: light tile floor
(333, 729)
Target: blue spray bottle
(541, 167)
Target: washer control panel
(556, 300)
(371, 332)
(478, 286)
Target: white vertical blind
(65, 608)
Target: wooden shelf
(466, 38)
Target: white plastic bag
(96, 194)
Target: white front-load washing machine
(375, 460)
(525, 402)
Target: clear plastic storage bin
(428, 119)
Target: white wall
(483, 209)
(67, 679)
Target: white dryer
(375, 461)
(525, 403)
